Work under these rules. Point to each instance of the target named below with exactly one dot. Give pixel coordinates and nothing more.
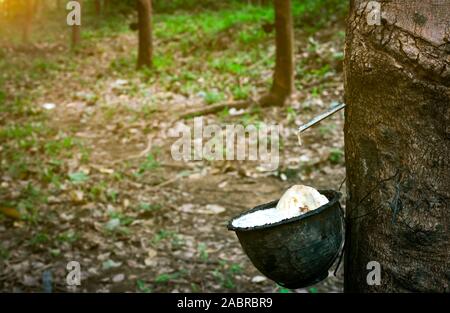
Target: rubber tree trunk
(98, 7)
(76, 29)
(283, 78)
(397, 78)
(144, 8)
(29, 8)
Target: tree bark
(76, 29)
(98, 7)
(76, 36)
(29, 8)
(144, 8)
(283, 78)
(397, 78)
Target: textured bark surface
(144, 8)
(98, 7)
(397, 132)
(283, 78)
(30, 7)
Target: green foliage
(146, 207)
(210, 22)
(149, 164)
(78, 177)
(124, 64)
(43, 66)
(50, 172)
(321, 72)
(69, 236)
(251, 118)
(29, 202)
(326, 129)
(228, 65)
(23, 131)
(118, 223)
(55, 147)
(241, 92)
(162, 62)
(225, 274)
(202, 250)
(291, 114)
(187, 5)
(167, 277)
(312, 15)
(251, 36)
(283, 290)
(142, 286)
(212, 97)
(336, 156)
(162, 234)
(39, 239)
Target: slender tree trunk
(98, 7)
(397, 78)
(76, 29)
(283, 78)
(144, 8)
(29, 12)
(76, 35)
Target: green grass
(209, 23)
(55, 148)
(336, 156)
(142, 286)
(23, 131)
(147, 207)
(78, 177)
(241, 92)
(251, 36)
(69, 236)
(225, 274)
(150, 163)
(162, 62)
(167, 277)
(202, 251)
(212, 97)
(39, 239)
(31, 198)
(162, 235)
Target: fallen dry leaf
(11, 212)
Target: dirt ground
(135, 219)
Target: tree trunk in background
(28, 14)
(76, 29)
(98, 7)
(397, 78)
(283, 78)
(76, 35)
(144, 8)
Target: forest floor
(91, 179)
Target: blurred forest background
(85, 166)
